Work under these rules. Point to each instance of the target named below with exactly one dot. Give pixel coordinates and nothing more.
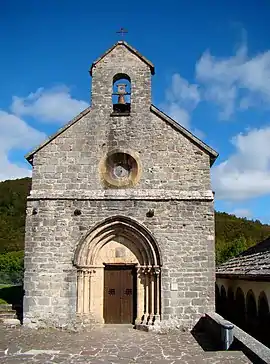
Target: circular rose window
(120, 169)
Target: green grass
(3, 285)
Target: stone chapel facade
(120, 218)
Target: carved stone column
(157, 313)
(140, 297)
(152, 296)
(86, 291)
(79, 291)
(146, 296)
(91, 273)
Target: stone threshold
(144, 327)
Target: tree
(11, 267)
(228, 250)
(233, 234)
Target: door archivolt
(125, 242)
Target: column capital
(146, 270)
(79, 272)
(86, 271)
(156, 270)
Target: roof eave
(212, 153)
(243, 276)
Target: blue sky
(212, 61)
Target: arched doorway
(119, 266)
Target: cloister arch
(230, 304)
(248, 306)
(118, 241)
(217, 295)
(263, 306)
(240, 307)
(223, 299)
(251, 304)
(263, 318)
(251, 312)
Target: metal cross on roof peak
(122, 31)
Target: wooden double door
(119, 294)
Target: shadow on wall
(203, 338)
(214, 333)
(249, 313)
(13, 295)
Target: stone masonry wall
(184, 231)
(121, 60)
(70, 163)
(175, 182)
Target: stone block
(11, 322)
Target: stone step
(8, 315)
(7, 312)
(6, 307)
(12, 322)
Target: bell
(121, 99)
(121, 90)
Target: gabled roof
(29, 156)
(131, 49)
(212, 153)
(251, 264)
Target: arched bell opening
(119, 267)
(121, 94)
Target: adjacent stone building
(243, 290)
(120, 218)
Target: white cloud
(178, 114)
(15, 134)
(181, 99)
(246, 173)
(53, 105)
(10, 170)
(237, 82)
(241, 212)
(182, 92)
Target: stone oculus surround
(94, 184)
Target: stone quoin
(120, 217)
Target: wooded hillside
(12, 213)
(233, 234)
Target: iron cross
(122, 31)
